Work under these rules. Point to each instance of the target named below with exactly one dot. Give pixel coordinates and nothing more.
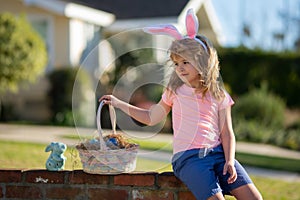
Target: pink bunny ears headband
(191, 23)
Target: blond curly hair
(204, 60)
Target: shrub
(62, 104)
(294, 126)
(243, 69)
(258, 116)
(255, 130)
(23, 54)
(261, 106)
(292, 139)
(251, 131)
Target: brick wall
(43, 184)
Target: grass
(30, 156)
(151, 165)
(154, 145)
(23, 155)
(262, 161)
(273, 189)
(277, 163)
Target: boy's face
(186, 71)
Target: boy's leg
(218, 196)
(242, 188)
(200, 180)
(198, 174)
(248, 191)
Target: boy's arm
(150, 116)
(228, 142)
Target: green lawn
(268, 162)
(32, 156)
(262, 161)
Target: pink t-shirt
(195, 119)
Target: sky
(263, 18)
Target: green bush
(244, 69)
(294, 126)
(290, 138)
(260, 106)
(62, 104)
(23, 54)
(257, 115)
(251, 131)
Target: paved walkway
(47, 134)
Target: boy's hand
(229, 167)
(111, 100)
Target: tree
(23, 54)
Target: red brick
(152, 194)
(107, 194)
(1, 192)
(143, 179)
(80, 177)
(23, 192)
(44, 176)
(169, 180)
(65, 192)
(186, 195)
(9, 176)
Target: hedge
(62, 104)
(245, 69)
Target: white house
(72, 28)
(69, 30)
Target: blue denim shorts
(201, 170)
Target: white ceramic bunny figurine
(56, 160)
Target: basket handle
(112, 114)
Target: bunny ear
(49, 148)
(167, 29)
(191, 23)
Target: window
(44, 26)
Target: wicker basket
(104, 160)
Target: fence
(43, 184)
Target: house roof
(129, 9)
(73, 10)
(119, 15)
(140, 13)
